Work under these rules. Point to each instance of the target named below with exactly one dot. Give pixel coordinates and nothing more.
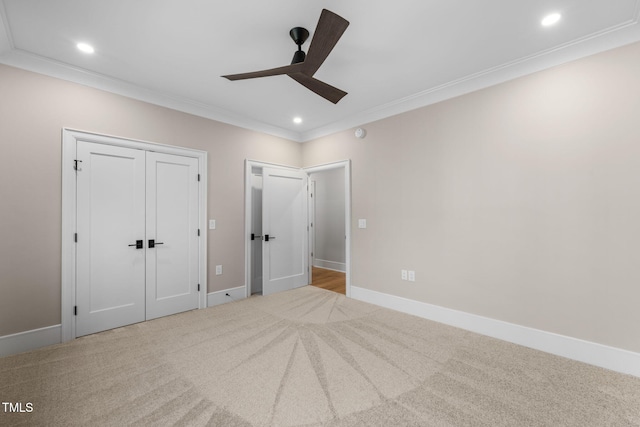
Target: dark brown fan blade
(287, 69)
(328, 31)
(326, 91)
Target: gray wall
(520, 202)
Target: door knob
(138, 244)
(267, 237)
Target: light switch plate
(362, 223)
(218, 270)
(212, 224)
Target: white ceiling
(395, 56)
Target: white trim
(612, 358)
(346, 164)
(30, 340)
(221, 297)
(69, 140)
(6, 44)
(330, 265)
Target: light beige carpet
(307, 357)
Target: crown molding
(611, 38)
(6, 44)
(617, 36)
(38, 64)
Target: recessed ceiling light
(297, 120)
(551, 19)
(86, 48)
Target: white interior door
(110, 220)
(284, 228)
(171, 234)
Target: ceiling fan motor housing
(299, 36)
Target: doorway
(135, 211)
(278, 237)
(255, 231)
(327, 229)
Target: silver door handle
(267, 237)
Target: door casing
(250, 165)
(68, 267)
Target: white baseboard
(612, 358)
(30, 340)
(221, 297)
(330, 265)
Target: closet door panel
(171, 234)
(110, 227)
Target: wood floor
(328, 279)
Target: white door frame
(249, 165)
(68, 276)
(346, 165)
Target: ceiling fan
(303, 66)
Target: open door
(284, 229)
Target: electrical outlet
(218, 270)
(412, 276)
(403, 275)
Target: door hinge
(75, 164)
(198, 231)
(75, 237)
(198, 287)
(198, 177)
(75, 310)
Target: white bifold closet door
(137, 225)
